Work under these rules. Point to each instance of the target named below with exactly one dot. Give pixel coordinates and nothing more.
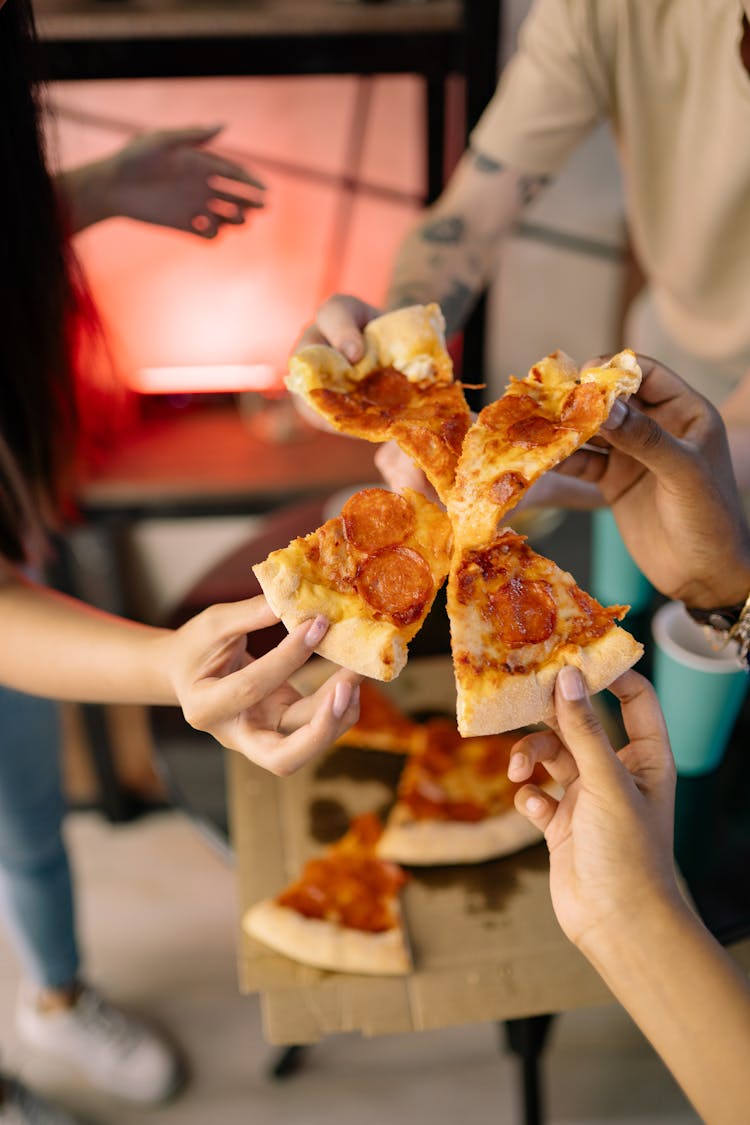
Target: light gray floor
(157, 916)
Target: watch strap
(732, 623)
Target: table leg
(288, 1062)
(526, 1038)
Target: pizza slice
(343, 912)
(382, 725)
(455, 802)
(373, 571)
(536, 424)
(402, 390)
(516, 618)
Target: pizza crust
(411, 340)
(372, 648)
(326, 945)
(425, 842)
(522, 699)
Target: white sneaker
(113, 1050)
(21, 1106)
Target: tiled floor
(157, 916)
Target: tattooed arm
(451, 255)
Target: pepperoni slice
(387, 389)
(508, 409)
(375, 518)
(533, 431)
(523, 612)
(506, 488)
(397, 583)
(583, 406)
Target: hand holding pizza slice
(516, 619)
(402, 389)
(373, 571)
(536, 424)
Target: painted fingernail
(316, 631)
(617, 415)
(342, 695)
(518, 766)
(535, 806)
(571, 683)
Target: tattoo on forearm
(484, 163)
(530, 186)
(456, 304)
(446, 231)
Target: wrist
(160, 660)
(620, 939)
(87, 192)
(728, 587)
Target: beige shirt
(668, 76)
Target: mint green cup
(615, 578)
(700, 689)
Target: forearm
(690, 1000)
(448, 272)
(452, 253)
(60, 648)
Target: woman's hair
(38, 302)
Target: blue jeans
(36, 895)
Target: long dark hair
(38, 302)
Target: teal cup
(615, 578)
(700, 688)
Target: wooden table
(214, 462)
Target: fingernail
(316, 631)
(617, 415)
(535, 806)
(352, 351)
(571, 683)
(518, 766)
(342, 695)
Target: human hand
(610, 833)
(170, 179)
(339, 323)
(248, 705)
(667, 476)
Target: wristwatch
(732, 623)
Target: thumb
(640, 436)
(582, 730)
